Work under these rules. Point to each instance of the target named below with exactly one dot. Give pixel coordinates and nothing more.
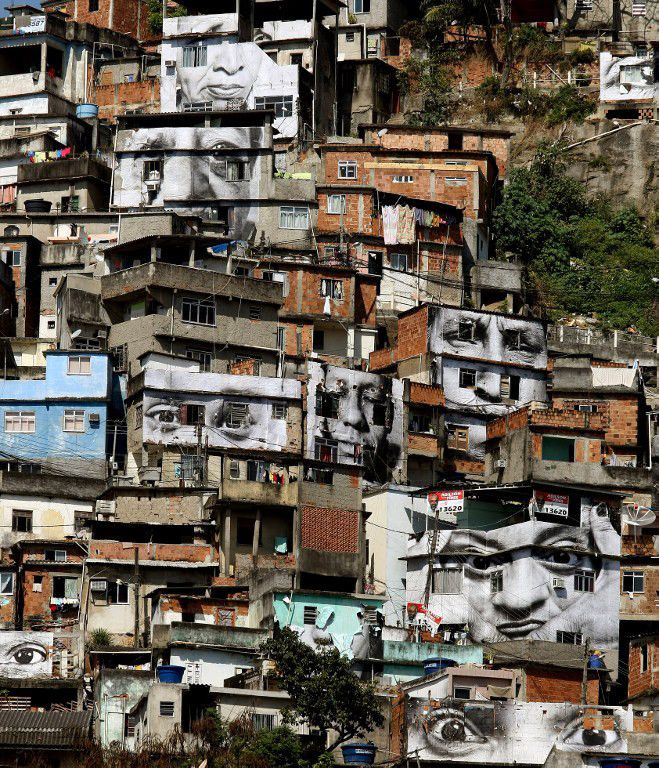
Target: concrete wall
(210, 666)
(52, 518)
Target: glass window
(20, 421)
(326, 450)
(455, 181)
(204, 358)
(74, 421)
(398, 261)
(584, 581)
(496, 582)
(118, 593)
(461, 692)
(282, 105)
(293, 217)
(21, 521)
(6, 583)
(347, 169)
(447, 581)
(557, 448)
(198, 312)
(633, 582)
(467, 378)
(332, 288)
(237, 170)
(258, 471)
(195, 56)
(80, 365)
(402, 179)
(336, 204)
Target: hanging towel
(66, 151)
(406, 225)
(389, 224)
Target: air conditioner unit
(94, 418)
(101, 334)
(170, 63)
(557, 583)
(152, 184)
(501, 464)
(98, 585)
(106, 507)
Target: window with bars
(199, 312)
(633, 582)
(204, 358)
(254, 312)
(584, 581)
(20, 421)
(129, 725)
(152, 170)
(80, 365)
(447, 581)
(309, 615)
(190, 467)
(194, 56)
(496, 582)
(467, 378)
(119, 358)
(235, 414)
(237, 170)
(279, 410)
(402, 179)
(74, 421)
(263, 722)
(198, 106)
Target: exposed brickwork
(563, 416)
(330, 530)
(222, 611)
(644, 604)
(129, 16)
(244, 368)
(424, 444)
(553, 684)
(648, 680)
(413, 334)
(619, 417)
(116, 98)
(115, 550)
(426, 394)
(509, 423)
(381, 358)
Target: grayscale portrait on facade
(626, 78)
(532, 580)
(355, 418)
(26, 654)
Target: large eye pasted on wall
(626, 78)
(593, 733)
(355, 418)
(454, 731)
(25, 654)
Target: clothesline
(399, 223)
(44, 157)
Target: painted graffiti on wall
(531, 580)
(26, 654)
(626, 78)
(226, 74)
(510, 732)
(355, 418)
(235, 411)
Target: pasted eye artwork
(625, 78)
(25, 654)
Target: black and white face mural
(626, 78)
(26, 654)
(225, 74)
(355, 418)
(235, 411)
(532, 580)
(192, 167)
(511, 732)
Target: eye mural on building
(510, 732)
(531, 580)
(626, 78)
(355, 418)
(26, 654)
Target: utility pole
(584, 677)
(136, 581)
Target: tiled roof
(44, 729)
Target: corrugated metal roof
(44, 729)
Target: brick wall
(641, 604)
(244, 368)
(365, 302)
(426, 394)
(563, 416)
(558, 685)
(193, 553)
(115, 99)
(129, 16)
(509, 423)
(381, 358)
(412, 334)
(357, 216)
(330, 530)
(617, 416)
(426, 445)
(640, 682)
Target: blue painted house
(59, 422)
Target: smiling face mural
(26, 654)
(355, 418)
(510, 732)
(502, 583)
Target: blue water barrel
(596, 662)
(359, 753)
(437, 663)
(170, 673)
(619, 762)
(87, 110)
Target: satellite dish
(638, 516)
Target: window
(645, 649)
(52, 281)
(350, 37)
(584, 5)
(198, 106)
(80, 365)
(584, 581)
(65, 587)
(639, 8)
(119, 358)
(129, 725)
(557, 448)
(282, 105)
(375, 262)
(398, 261)
(117, 593)
(332, 288)
(204, 358)
(152, 170)
(74, 421)
(279, 410)
(318, 340)
(467, 378)
(55, 555)
(309, 615)
(255, 363)
(258, 471)
(447, 581)
(318, 475)
(51, 325)
(237, 170)
(496, 582)
(263, 722)
(466, 330)
(234, 469)
(326, 450)
(586, 408)
(633, 582)
(336, 204)
(166, 709)
(199, 312)
(281, 339)
(254, 312)
(235, 415)
(569, 638)
(461, 692)
(457, 438)
(509, 387)
(293, 217)
(419, 422)
(193, 414)
(296, 59)
(245, 532)
(6, 583)
(347, 169)
(454, 141)
(93, 6)
(14, 258)
(71, 204)
(327, 404)
(80, 519)
(330, 251)
(194, 56)
(402, 179)
(362, 6)
(20, 421)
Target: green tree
(324, 692)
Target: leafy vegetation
(155, 14)
(583, 256)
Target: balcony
(62, 254)
(152, 554)
(56, 170)
(557, 418)
(423, 444)
(255, 492)
(591, 474)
